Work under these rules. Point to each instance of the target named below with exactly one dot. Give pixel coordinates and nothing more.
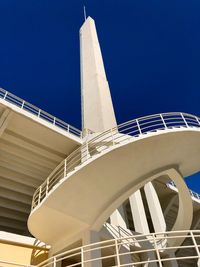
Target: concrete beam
(17, 187)
(14, 205)
(4, 120)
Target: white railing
(135, 250)
(121, 134)
(192, 193)
(38, 112)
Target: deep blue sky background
(151, 52)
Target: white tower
(97, 109)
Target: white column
(97, 109)
(90, 237)
(141, 225)
(155, 210)
(118, 218)
(138, 213)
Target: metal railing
(111, 138)
(192, 193)
(38, 112)
(135, 250)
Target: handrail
(15, 100)
(118, 135)
(139, 249)
(192, 193)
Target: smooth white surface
(97, 109)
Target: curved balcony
(123, 133)
(101, 174)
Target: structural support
(138, 213)
(89, 255)
(97, 109)
(4, 120)
(155, 210)
(118, 217)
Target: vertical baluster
(82, 257)
(195, 244)
(5, 95)
(138, 126)
(184, 119)
(157, 251)
(163, 121)
(117, 253)
(23, 102)
(65, 168)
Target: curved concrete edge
(117, 145)
(164, 150)
(185, 211)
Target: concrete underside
(29, 150)
(88, 196)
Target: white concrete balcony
(124, 133)
(100, 175)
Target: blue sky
(151, 53)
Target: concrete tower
(97, 108)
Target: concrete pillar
(97, 109)
(118, 218)
(90, 237)
(155, 210)
(138, 213)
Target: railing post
(65, 168)
(39, 111)
(39, 197)
(112, 137)
(54, 261)
(117, 253)
(157, 251)
(82, 257)
(47, 186)
(23, 102)
(5, 95)
(163, 121)
(195, 244)
(197, 120)
(68, 128)
(138, 125)
(54, 120)
(184, 120)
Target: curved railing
(192, 193)
(121, 134)
(134, 249)
(15, 100)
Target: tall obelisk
(97, 108)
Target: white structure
(119, 199)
